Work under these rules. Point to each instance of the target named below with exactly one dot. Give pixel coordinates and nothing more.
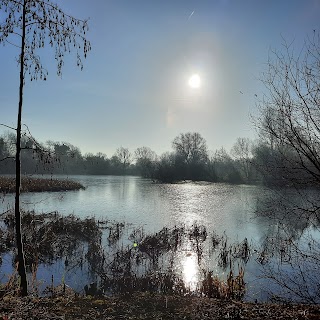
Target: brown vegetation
(29, 184)
(78, 242)
(151, 296)
(147, 306)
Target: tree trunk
(21, 261)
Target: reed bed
(30, 184)
(122, 260)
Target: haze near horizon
(157, 69)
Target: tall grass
(128, 260)
(30, 184)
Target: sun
(194, 81)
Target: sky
(134, 91)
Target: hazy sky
(134, 88)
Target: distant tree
(30, 25)
(223, 168)
(3, 149)
(165, 169)
(242, 153)
(145, 161)
(144, 153)
(5, 157)
(192, 147)
(212, 167)
(97, 164)
(61, 149)
(116, 165)
(124, 156)
(266, 162)
(30, 158)
(191, 151)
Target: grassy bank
(29, 184)
(147, 306)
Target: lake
(139, 201)
(229, 210)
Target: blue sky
(134, 89)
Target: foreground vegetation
(121, 264)
(124, 260)
(147, 306)
(121, 290)
(30, 184)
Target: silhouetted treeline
(189, 159)
(61, 158)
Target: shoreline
(147, 306)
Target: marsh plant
(120, 258)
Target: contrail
(191, 15)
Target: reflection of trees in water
(290, 250)
(289, 155)
(293, 267)
(291, 210)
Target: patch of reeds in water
(128, 261)
(30, 184)
(148, 263)
(232, 288)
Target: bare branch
(4, 125)
(15, 45)
(6, 158)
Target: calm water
(225, 209)
(221, 207)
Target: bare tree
(290, 113)
(31, 25)
(191, 156)
(241, 152)
(221, 167)
(192, 147)
(144, 153)
(145, 161)
(290, 153)
(124, 156)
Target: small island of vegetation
(30, 184)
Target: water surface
(229, 210)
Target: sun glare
(194, 81)
(190, 271)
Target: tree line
(247, 162)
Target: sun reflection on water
(190, 271)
